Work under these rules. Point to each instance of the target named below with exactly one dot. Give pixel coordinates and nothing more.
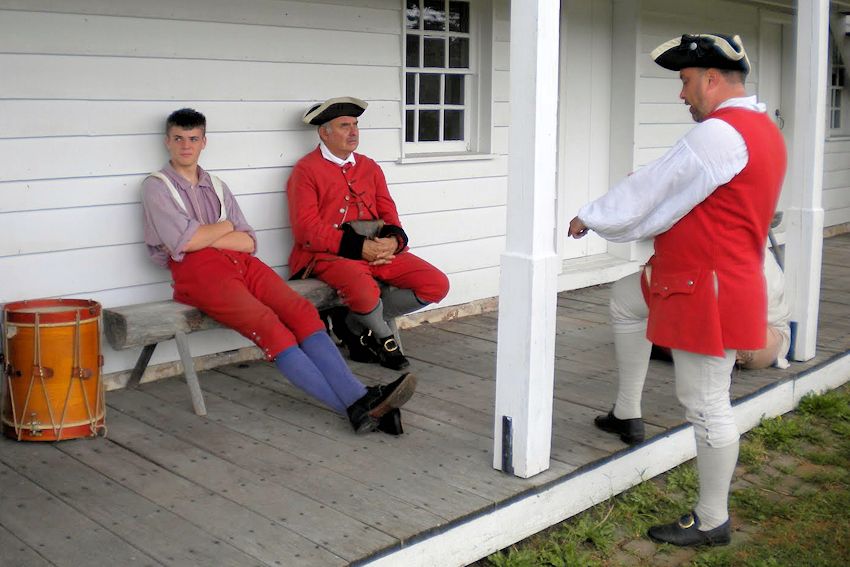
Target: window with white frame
(836, 89)
(441, 81)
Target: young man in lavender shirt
(195, 228)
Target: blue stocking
(323, 353)
(300, 370)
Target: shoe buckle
(390, 345)
(364, 337)
(686, 521)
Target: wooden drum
(52, 384)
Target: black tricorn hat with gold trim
(705, 50)
(332, 108)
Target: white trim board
(468, 539)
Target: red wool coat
(720, 240)
(320, 201)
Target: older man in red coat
(708, 203)
(348, 234)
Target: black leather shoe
(390, 355)
(630, 430)
(365, 414)
(390, 423)
(685, 532)
(361, 348)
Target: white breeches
(702, 382)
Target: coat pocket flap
(668, 284)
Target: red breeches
(243, 293)
(355, 282)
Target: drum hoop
(69, 323)
(45, 426)
(15, 311)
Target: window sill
(837, 137)
(436, 158)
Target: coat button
(336, 225)
(690, 282)
(347, 197)
(342, 211)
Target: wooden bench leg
(191, 375)
(141, 365)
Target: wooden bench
(148, 324)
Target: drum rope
(41, 374)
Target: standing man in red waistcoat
(708, 203)
(348, 234)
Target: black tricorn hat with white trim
(332, 108)
(703, 50)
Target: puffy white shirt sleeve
(653, 198)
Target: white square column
(525, 364)
(804, 232)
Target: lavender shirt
(168, 227)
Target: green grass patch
(780, 521)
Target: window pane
(434, 15)
(459, 17)
(458, 53)
(454, 89)
(453, 125)
(435, 52)
(410, 125)
(429, 88)
(412, 59)
(412, 15)
(410, 89)
(429, 125)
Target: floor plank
(163, 535)
(58, 532)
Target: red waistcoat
(321, 198)
(720, 243)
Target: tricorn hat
(703, 50)
(332, 108)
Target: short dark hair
(734, 76)
(187, 119)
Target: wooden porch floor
(269, 478)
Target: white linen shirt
(653, 198)
(326, 153)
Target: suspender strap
(217, 187)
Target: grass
(789, 505)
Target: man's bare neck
(189, 173)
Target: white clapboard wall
(662, 116)
(836, 182)
(86, 86)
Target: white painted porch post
(804, 243)
(528, 287)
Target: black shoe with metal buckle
(390, 355)
(631, 431)
(685, 532)
(366, 413)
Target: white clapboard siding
(93, 191)
(39, 118)
(455, 226)
(445, 171)
(428, 196)
(108, 78)
(464, 255)
(121, 155)
(367, 16)
(82, 124)
(836, 182)
(472, 285)
(161, 38)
